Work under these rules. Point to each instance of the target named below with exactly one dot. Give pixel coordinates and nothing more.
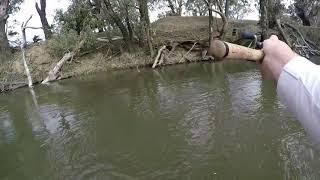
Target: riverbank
(165, 31)
(40, 63)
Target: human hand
(277, 55)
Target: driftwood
(105, 39)
(54, 74)
(161, 58)
(183, 57)
(158, 56)
(166, 51)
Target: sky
(28, 9)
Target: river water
(195, 121)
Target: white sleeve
(299, 89)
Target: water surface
(197, 121)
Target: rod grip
(225, 50)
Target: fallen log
(54, 74)
(158, 57)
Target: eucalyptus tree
(6, 8)
(121, 13)
(43, 17)
(197, 7)
(130, 18)
(145, 23)
(306, 10)
(232, 9)
(270, 11)
(176, 6)
(82, 16)
(237, 9)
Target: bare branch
(24, 24)
(30, 27)
(23, 46)
(184, 56)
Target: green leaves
(79, 17)
(14, 5)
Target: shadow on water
(196, 121)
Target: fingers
(268, 44)
(274, 37)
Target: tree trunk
(123, 30)
(263, 19)
(171, 6)
(302, 15)
(108, 10)
(226, 9)
(145, 20)
(42, 13)
(4, 44)
(179, 8)
(129, 26)
(210, 22)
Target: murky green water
(196, 121)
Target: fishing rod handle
(225, 50)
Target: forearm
(299, 89)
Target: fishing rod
(225, 50)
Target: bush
(62, 43)
(67, 42)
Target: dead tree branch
(299, 44)
(158, 56)
(224, 24)
(283, 34)
(183, 57)
(54, 74)
(23, 49)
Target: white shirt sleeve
(299, 89)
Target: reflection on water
(197, 121)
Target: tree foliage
(79, 17)
(236, 9)
(239, 8)
(270, 11)
(7, 7)
(13, 6)
(307, 11)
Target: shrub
(68, 41)
(62, 43)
